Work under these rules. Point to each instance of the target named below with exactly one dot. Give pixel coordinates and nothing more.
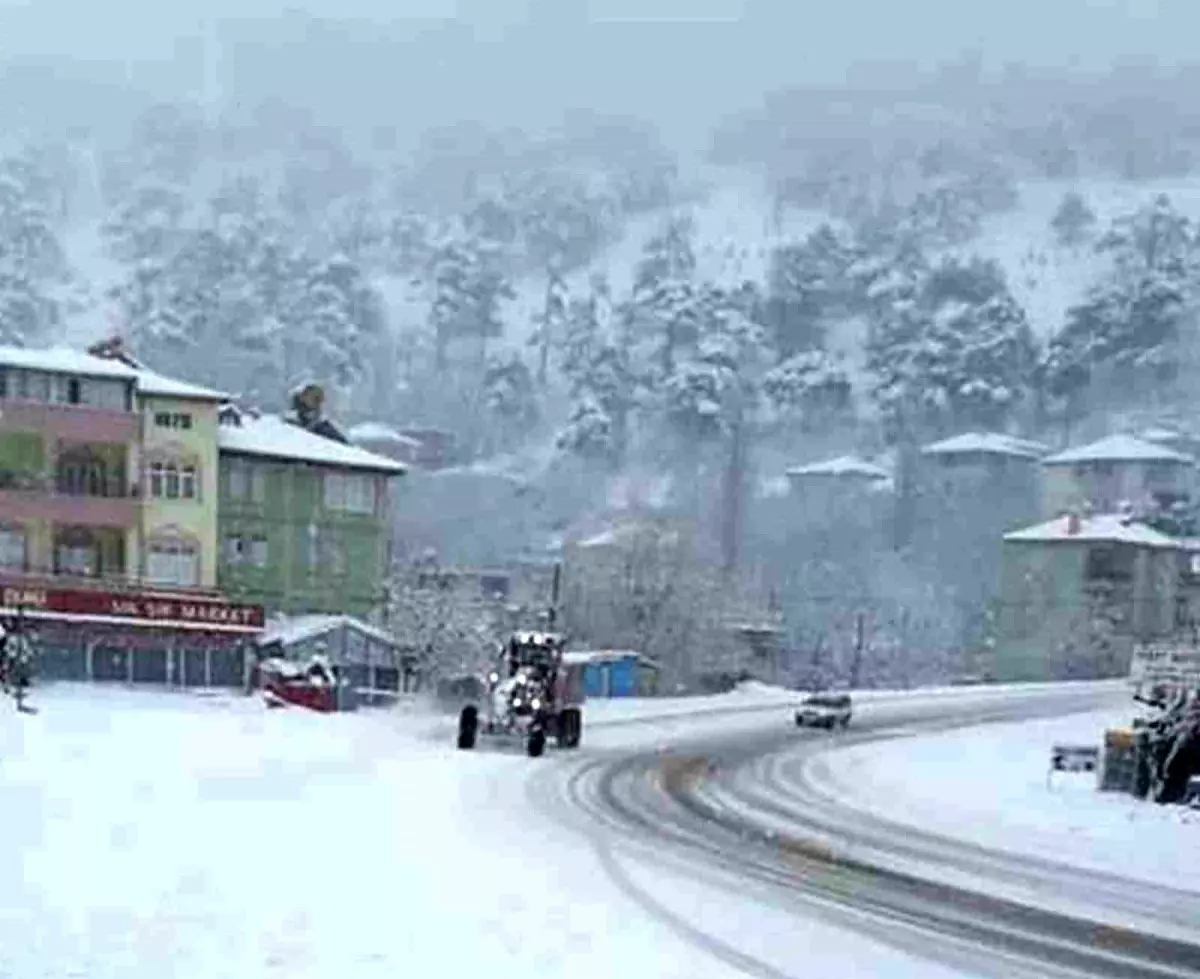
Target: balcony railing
(115, 582)
(71, 423)
(40, 499)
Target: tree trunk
(733, 497)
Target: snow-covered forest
(609, 325)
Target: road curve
(740, 810)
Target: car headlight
(536, 704)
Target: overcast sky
(729, 52)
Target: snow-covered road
(925, 786)
(691, 808)
(153, 834)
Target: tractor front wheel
(468, 728)
(536, 743)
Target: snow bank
(988, 785)
(152, 835)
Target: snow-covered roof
(67, 360)
(841, 466)
(602, 656)
(272, 437)
(293, 629)
(159, 385)
(1161, 435)
(1117, 448)
(992, 443)
(1101, 528)
(64, 360)
(378, 432)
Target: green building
(304, 520)
(1078, 593)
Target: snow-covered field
(988, 785)
(150, 834)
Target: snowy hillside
(735, 233)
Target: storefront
(150, 638)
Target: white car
(828, 710)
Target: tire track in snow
(625, 800)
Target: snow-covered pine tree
(668, 255)
(550, 323)
(662, 310)
(1154, 238)
(469, 285)
(32, 262)
(808, 388)
(1133, 326)
(601, 380)
(341, 315)
(149, 185)
(808, 283)
(1074, 221)
(719, 372)
(510, 399)
(957, 351)
(148, 222)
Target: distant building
(831, 495)
(435, 448)
(1183, 442)
(371, 660)
(990, 480)
(523, 588)
(382, 440)
(1114, 471)
(983, 451)
(1077, 593)
(843, 471)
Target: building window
(33, 386)
(172, 561)
(244, 549)
(109, 395)
(330, 553)
(171, 481)
(76, 552)
(12, 547)
(1109, 563)
(350, 492)
(323, 549)
(173, 419)
(187, 483)
(245, 481)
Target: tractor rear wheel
(468, 728)
(570, 728)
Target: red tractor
(533, 692)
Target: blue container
(595, 680)
(623, 678)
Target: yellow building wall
(194, 518)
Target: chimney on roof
(114, 349)
(1074, 523)
(308, 403)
